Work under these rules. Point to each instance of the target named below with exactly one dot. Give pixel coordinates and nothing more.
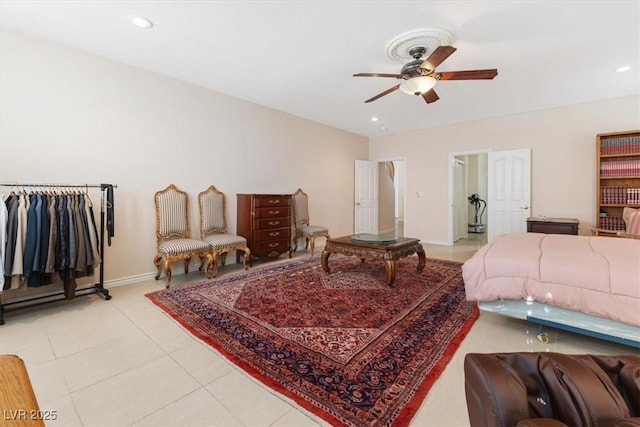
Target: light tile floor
(124, 363)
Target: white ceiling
(299, 56)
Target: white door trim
(452, 157)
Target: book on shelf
(619, 195)
(620, 168)
(613, 223)
(620, 145)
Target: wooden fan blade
(430, 96)
(380, 95)
(396, 76)
(437, 57)
(469, 75)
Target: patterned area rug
(345, 346)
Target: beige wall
(71, 117)
(562, 143)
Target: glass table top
(375, 238)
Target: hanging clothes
(65, 244)
(48, 238)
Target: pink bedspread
(593, 275)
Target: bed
(585, 284)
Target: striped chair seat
(182, 246)
(223, 241)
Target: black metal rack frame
(96, 288)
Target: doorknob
(525, 207)
(357, 203)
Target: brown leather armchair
(552, 389)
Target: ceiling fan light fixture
(418, 85)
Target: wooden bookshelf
(618, 178)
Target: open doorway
(468, 183)
(379, 189)
(391, 187)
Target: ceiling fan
(420, 76)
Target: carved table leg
(422, 258)
(324, 260)
(390, 266)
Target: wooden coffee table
(375, 247)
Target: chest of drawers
(265, 221)
(553, 225)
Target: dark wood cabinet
(553, 225)
(265, 221)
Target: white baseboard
(131, 279)
(120, 281)
(436, 242)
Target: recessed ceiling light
(374, 119)
(141, 22)
(383, 128)
(623, 69)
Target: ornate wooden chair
(173, 233)
(213, 229)
(302, 226)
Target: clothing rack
(106, 206)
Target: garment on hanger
(3, 237)
(15, 268)
(111, 225)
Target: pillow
(631, 218)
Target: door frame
(451, 188)
(404, 189)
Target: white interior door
(366, 197)
(509, 191)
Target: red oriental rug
(344, 345)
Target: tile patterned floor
(124, 363)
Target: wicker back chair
(173, 233)
(302, 224)
(213, 229)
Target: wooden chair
(173, 233)
(302, 225)
(631, 218)
(213, 229)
